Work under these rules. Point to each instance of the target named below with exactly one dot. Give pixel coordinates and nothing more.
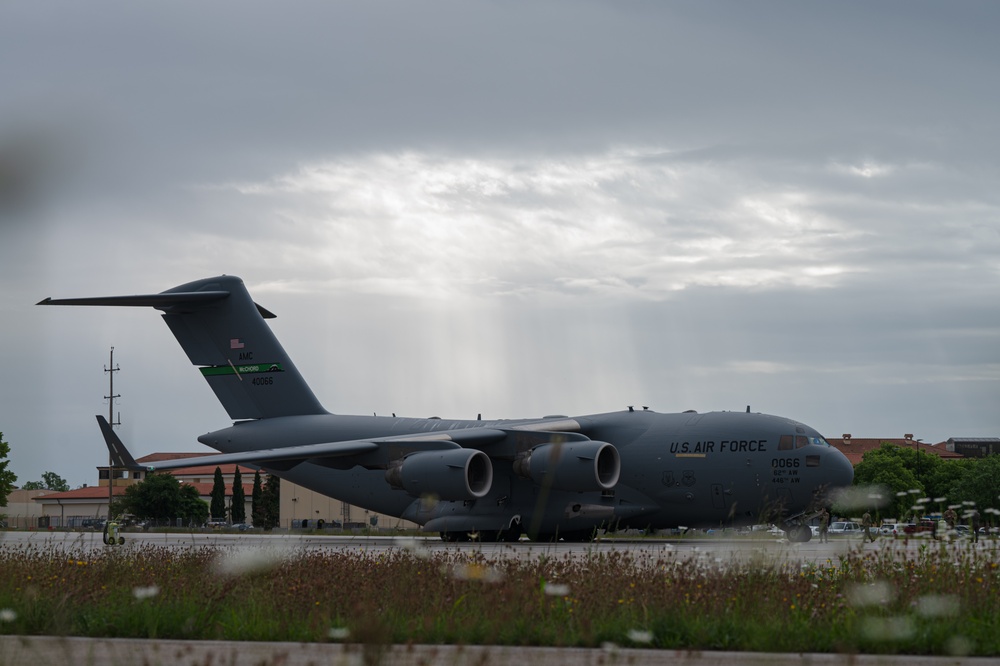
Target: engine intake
(450, 474)
(573, 466)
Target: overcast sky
(513, 209)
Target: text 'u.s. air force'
(724, 446)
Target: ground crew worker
(824, 526)
(866, 526)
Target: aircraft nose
(838, 468)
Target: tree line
(916, 483)
(161, 498)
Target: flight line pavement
(719, 549)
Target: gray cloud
(510, 209)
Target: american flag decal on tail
(236, 343)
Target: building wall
(21, 510)
(72, 514)
(298, 504)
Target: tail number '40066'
(262, 381)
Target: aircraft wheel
(121, 541)
(799, 533)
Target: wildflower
(7, 615)
(477, 571)
(246, 561)
(937, 605)
(339, 633)
(416, 547)
(878, 593)
(556, 590)
(640, 636)
(143, 593)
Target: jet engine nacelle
(573, 466)
(450, 474)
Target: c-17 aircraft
(551, 477)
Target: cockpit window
(801, 441)
(818, 441)
(786, 443)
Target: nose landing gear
(798, 533)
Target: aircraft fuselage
(686, 469)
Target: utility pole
(110, 370)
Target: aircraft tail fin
(120, 456)
(224, 333)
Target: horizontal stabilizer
(160, 301)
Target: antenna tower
(110, 370)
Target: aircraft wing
(291, 455)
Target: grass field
(939, 599)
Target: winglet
(120, 457)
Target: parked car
(921, 527)
(844, 527)
(894, 529)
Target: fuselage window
(812, 461)
(786, 443)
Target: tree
(886, 467)
(53, 481)
(218, 508)
(162, 498)
(192, 508)
(157, 498)
(50, 481)
(980, 484)
(237, 506)
(270, 498)
(7, 477)
(256, 504)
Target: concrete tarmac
(715, 548)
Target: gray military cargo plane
(551, 477)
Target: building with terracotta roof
(299, 508)
(73, 507)
(856, 447)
